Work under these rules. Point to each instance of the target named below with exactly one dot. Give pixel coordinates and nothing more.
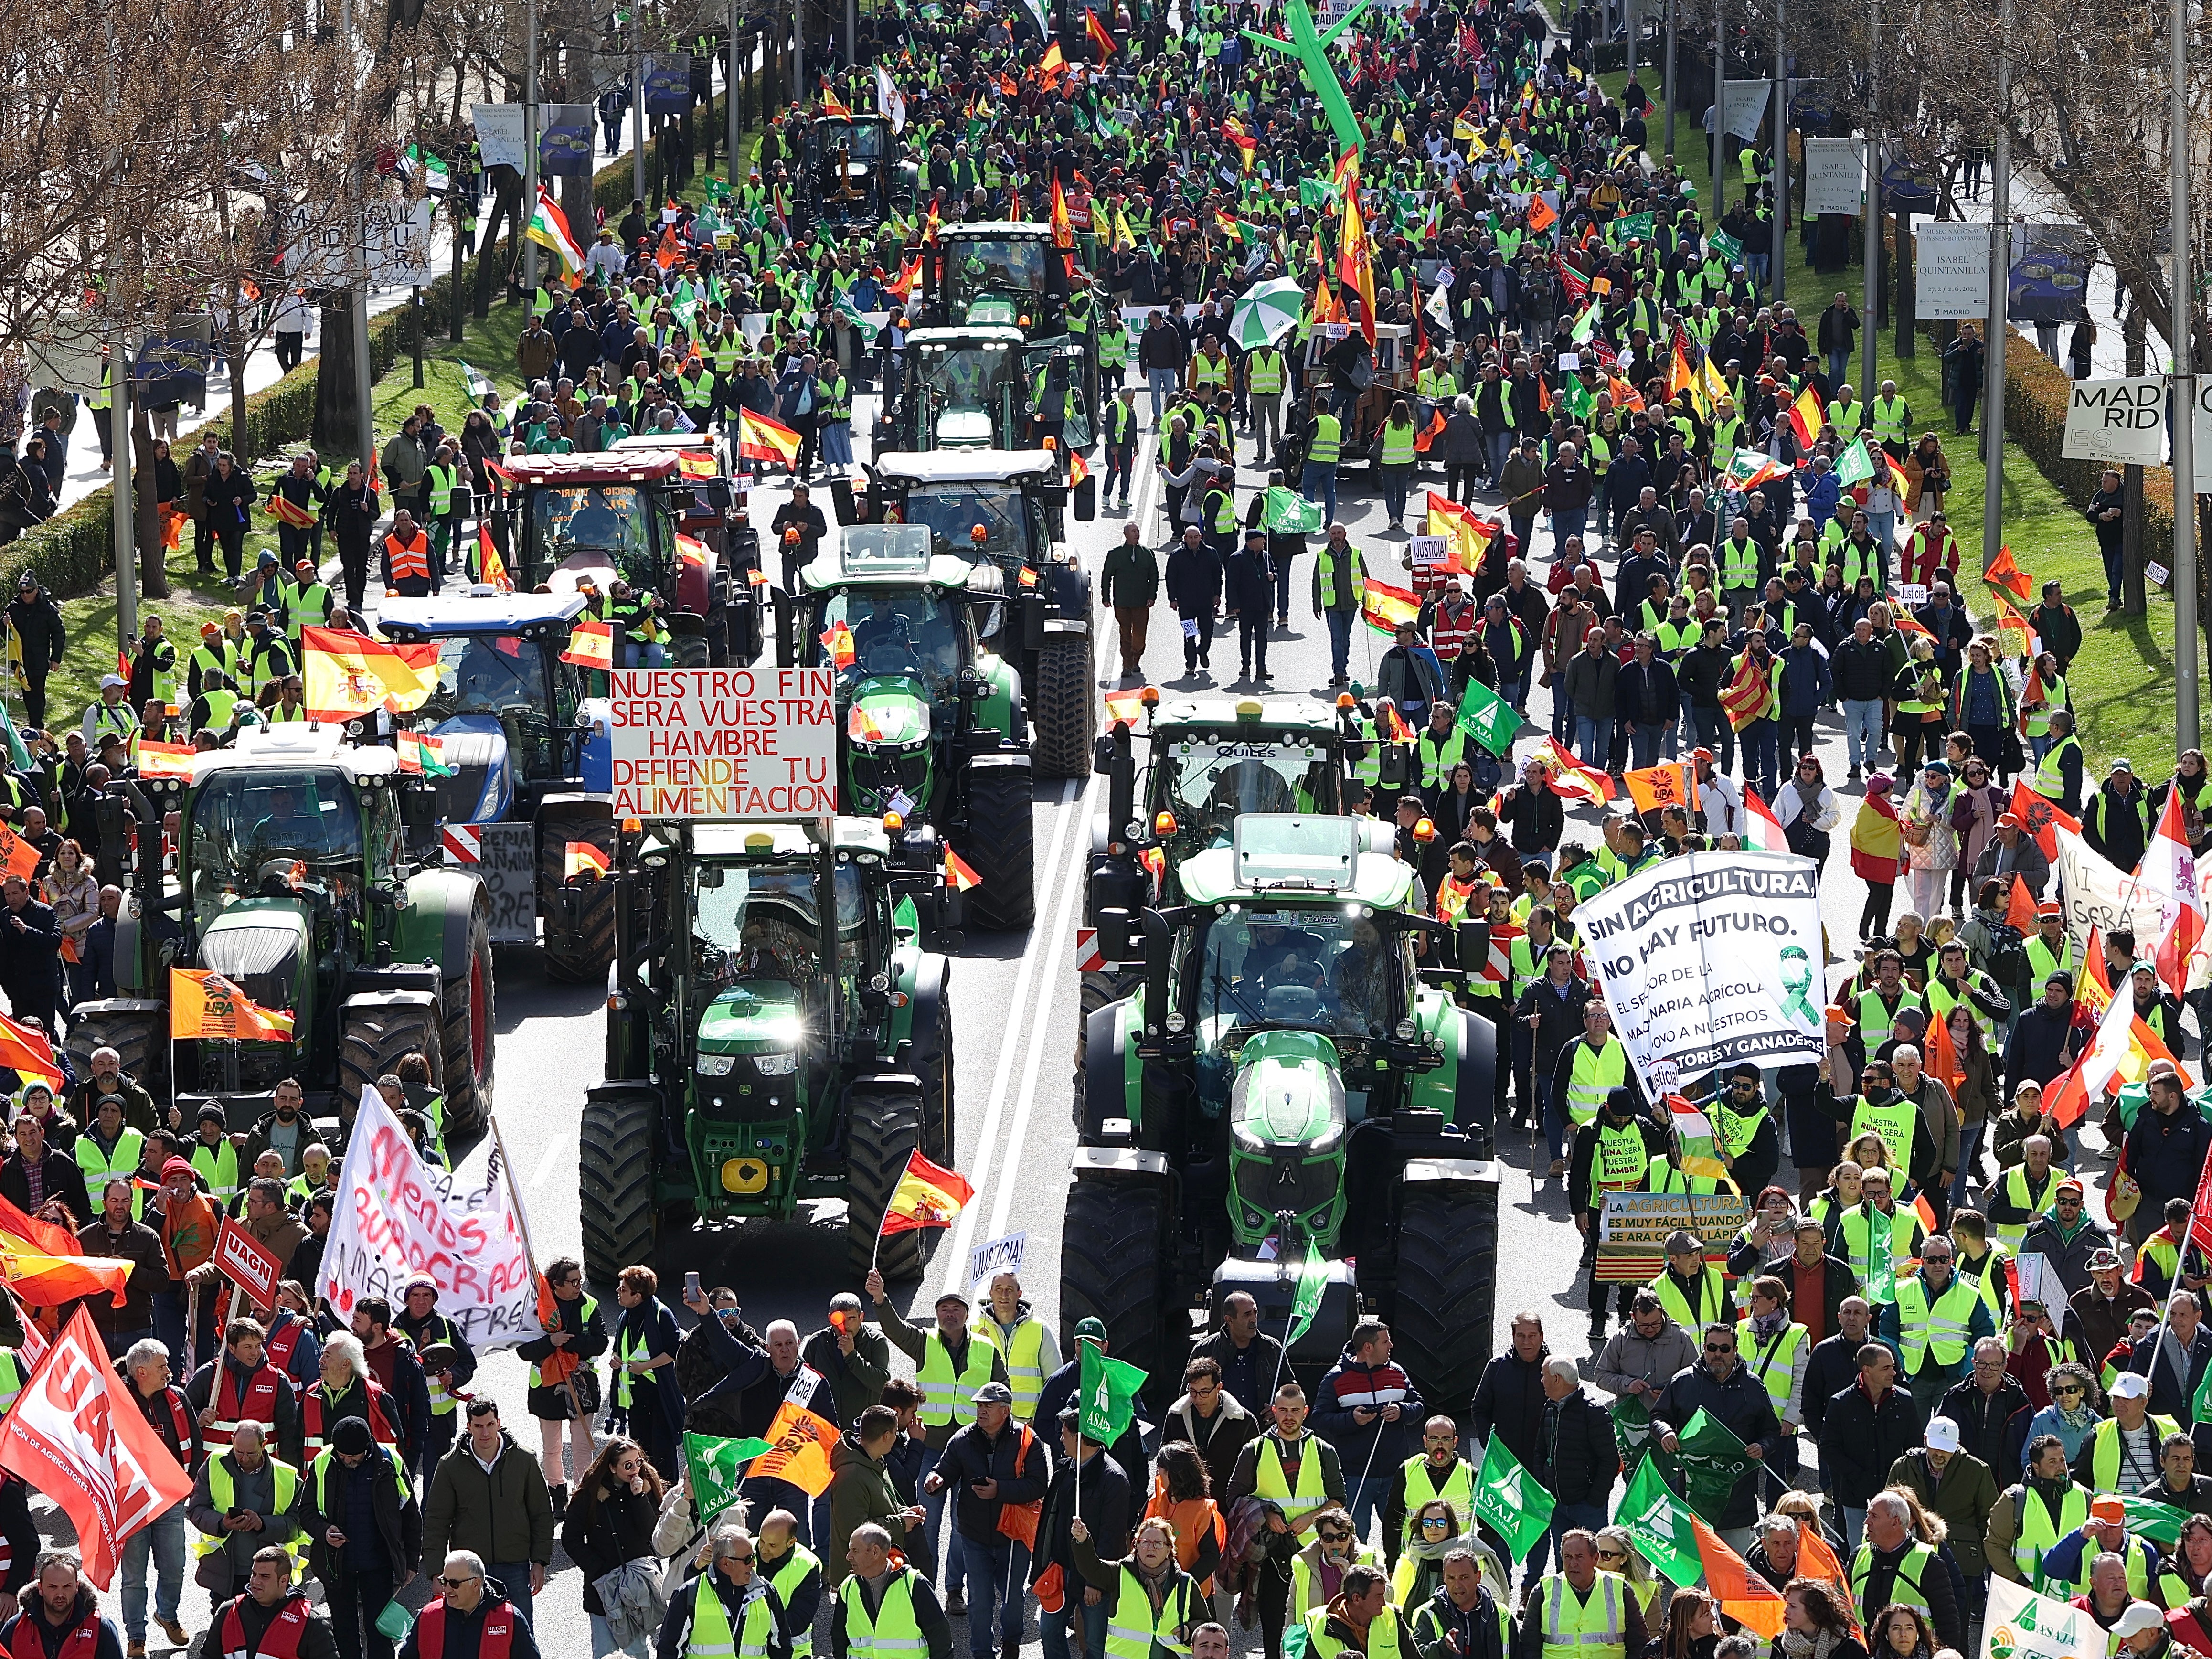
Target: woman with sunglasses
(1808, 810)
(1977, 804)
(609, 1522)
(2072, 1415)
(1616, 1552)
(1420, 1567)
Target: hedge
(2037, 395)
(74, 551)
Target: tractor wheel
(932, 1063)
(1063, 709)
(1099, 987)
(1447, 1288)
(883, 1129)
(688, 650)
(581, 957)
(1001, 846)
(141, 1039)
(1112, 1269)
(614, 1174)
(470, 1036)
(374, 1038)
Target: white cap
(2130, 1385)
(1943, 1435)
(106, 680)
(2139, 1617)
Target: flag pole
(529, 1251)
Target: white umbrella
(1267, 312)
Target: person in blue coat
(1248, 581)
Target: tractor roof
(970, 466)
(478, 609)
(1176, 715)
(295, 745)
(975, 334)
(854, 567)
(996, 230)
(1294, 858)
(744, 841)
(1378, 879)
(603, 466)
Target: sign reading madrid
(725, 743)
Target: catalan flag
(282, 509)
(763, 438)
(204, 1004)
(581, 858)
(927, 1195)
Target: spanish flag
(832, 104)
(1807, 414)
(491, 568)
(591, 644)
(1063, 225)
(1078, 470)
(837, 641)
(349, 674)
(47, 1267)
(761, 438)
(581, 858)
(24, 1049)
(959, 874)
(164, 760)
(204, 1004)
(1385, 607)
(926, 1196)
(1098, 35)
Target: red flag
(669, 252)
(75, 1436)
(2200, 1213)
(1098, 35)
(2020, 907)
(24, 1049)
(2003, 573)
(1429, 433)
(2039, 817)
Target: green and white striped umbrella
(1267, 312)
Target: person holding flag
(1723, 1391)
(994, 1469)
(1365, 1406)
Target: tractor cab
(848, 165)
(964, 389)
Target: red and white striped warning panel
(462, 842)
(1089, 958)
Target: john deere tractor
(933, 726)
(777, 1033)
(1009, 274)
(1289, 1093)
(306, 877)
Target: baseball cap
(2140, 1616)
(2008, 820)
(2106, 1506)
(2049, 908)
(1089, 1330)
(954, 1298)
(993, 1393)
(1943, 1435)
(106, 680)
(2128, 1385)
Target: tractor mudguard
(1121, 1163)
(434, 925)
(926, 983)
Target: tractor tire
(614, 1179)
(1001, 846)
(1447, 1288)
(883, 1129)
(470, 1036)
(1112, 1269)
(932, 1064)
(374, 1039)
(583, 959)
(688, 650)
(1064, 709)
(141, 1039)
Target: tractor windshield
(953, 511)
(255, 830)
(596, 527)
(1207, 782)
(1319, 969)
(995, 279)
(760, 922)
(865, 138)
(491, 674)
(971, 391)
(895, 630)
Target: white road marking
(545, 1165)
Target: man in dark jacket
(113, 1233)
(1369, 1410)
(2116, 820)
(1194, 586)
(1577, 1457)
(37, 622)
(1646, 701)
(2107, 513)
(1209, 1420)
(1730, 1396)
(36, 1172)
(1509, 1400)
(1817, 1282)
(30, 938)
(1059, 1393)
(1984, 1404)
(798, 528)
(364, 1532)
(2056, 626)
(1248, 590)
(1251, 1361)
(1109, 1506)
(989, 1464)
(1865, 1429)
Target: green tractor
(1009, 274)
(776, 1032)
(1003, 509)
(1288, 1092)
(1207, 760)
(933, 724)
(306, 875)
(978, 386)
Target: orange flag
(25, 1049)
(2020, 907)
(1943, 1063)
(1743, 1594)
(1542, 216)
(2003, 573)
(1668, 784)
(17, 856)
(204, 1004)
(802, 1441)
(669, 252)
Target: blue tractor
(525, 797)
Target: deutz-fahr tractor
(851, 176)
(777, 1032)
(1001, 509)
(932, 725)
(1288, 1092)
(1009, 273)
(305, 875)
(614, 514)
(1205, 761)
(529, 770)
(981, 386)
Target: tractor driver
(288, 829)
(1283, 955)
(884, 624)
(1363, 973)
(596, 522)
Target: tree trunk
(337, 420)
(153, 553)
(233, 351)
(506, 204)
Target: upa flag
(926, 1196)
(2005, 574)
(1542, 216)
(17, 856)
(491, 568)
(763, 438)
(591, 644)
(717, 1466)
(421, 753)
(2041, 818)
(74, 1434)
(1507, 1497)
(349, 675)
(1488, 718)
(581, 857)
(801, 1439)
(1668, 784)
(1386, 607)
(1107, 1392)
(204, 1004)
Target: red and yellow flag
(204, 1004)
(959, 874)
(1384, 607)
(1063, 227)
(1078, 470)
(1051, 66)
(164, 760)
(2015, 637)
(25, 1049)
(926, 1196)
(349, 674)
(832, 104)
(1354, 267)
(46, 1266)
(837, 641)
(1098, 36)
(282, 509)
(763, 438)
(1808, 415)
(491, 568)
(581, 858)
(2003, 573)
(591, 644)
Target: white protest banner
(1744, 105)
(1835, 175)
(1002, 1255)
(2021, 1625)
(2036, 1281)
(2119, 422)
(2099, 894)
(1951, 271)
(1711, 958)
(725, 743)
(396, 1216)
(1427, 552)
(502, 134)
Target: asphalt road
(1015, 1024)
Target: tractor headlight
(1405, 1030)
(1177, 1023)
(716, 1065)
(782, 1065)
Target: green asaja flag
(1660, 1523)
(1291, 514)
(2158, 1523)
(1855, 465)
(1313, 1284)
(1729, 249)
(717, 1466)
(1488, 718)
(1508, 1497)
(1634, 226)
(1107, 1390)
(1706, 1462)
